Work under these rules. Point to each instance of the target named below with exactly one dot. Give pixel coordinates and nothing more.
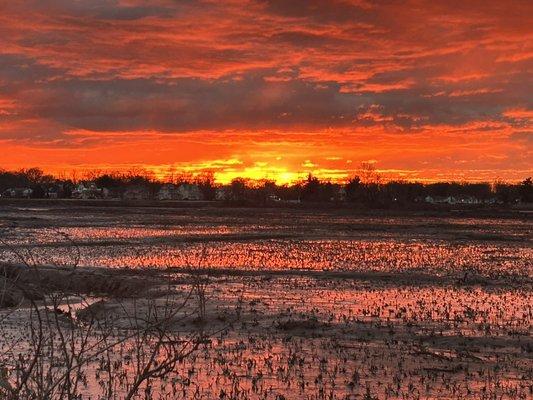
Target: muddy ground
(432, 307)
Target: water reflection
(209, 248)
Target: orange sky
(269, 88)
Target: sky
(423, 90)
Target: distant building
(21, 193)
(296, 201)
(222, 194)
(112, 193)
(342, 195)
(168, 192)
(272, 198)
(87, 191)
(183, 192)
(440, 200)
(55, 191)
(470, 200)
(189, 192)
(137, 193)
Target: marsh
(315, 304)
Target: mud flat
(302, 336)
(294, 306)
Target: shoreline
(523, 211)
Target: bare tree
(64, 331)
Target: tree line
(367, 188)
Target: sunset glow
(268, 88)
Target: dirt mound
(40, 281)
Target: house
(24, 193)
(167, 192)
(272, 198)
(184, 191)
(55, 191)
(222, 194)
(112, 193)
(440, 200)
(137, 193)
(341, 194)
(87, 190)
(468, 200)
(187, 191)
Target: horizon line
(299, 177)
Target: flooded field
(271, 240)
(306, 304)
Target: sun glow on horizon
(235, 169)
(222, 172)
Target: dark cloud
(252, 100)
(307, 39)
(248, 102)
(102, 9)
(179, 66)
(325, 11)
(526, 137)
(16, 70)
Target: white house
(440, 200)
(18, 192)
(222, 194)
(86, 191)
(187, 191)
(453, 200)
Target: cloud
(111, 69)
